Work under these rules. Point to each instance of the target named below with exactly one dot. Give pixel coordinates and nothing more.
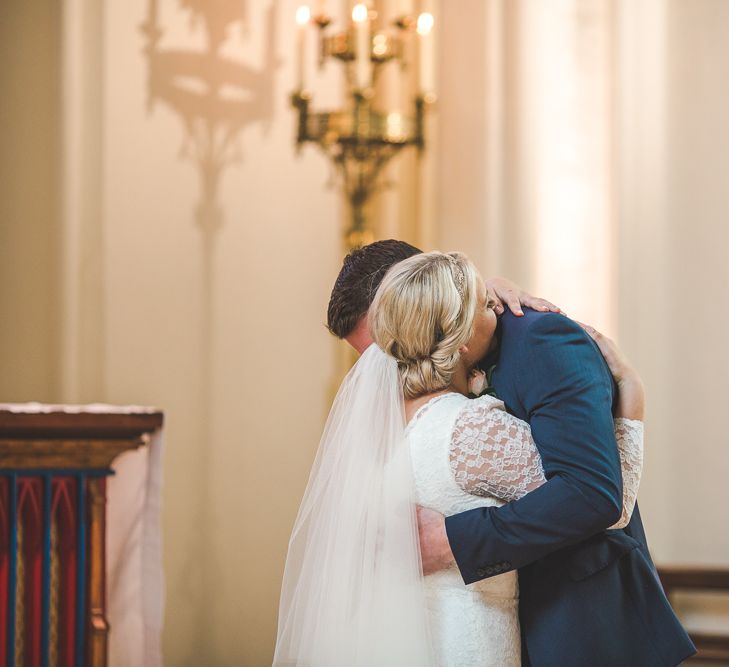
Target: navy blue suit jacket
(587, 595)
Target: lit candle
(427, 54)
(302, 23)
(362, 62)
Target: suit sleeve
(566, 391)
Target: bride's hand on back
(509, 295)
(631, 400)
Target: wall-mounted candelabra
(361, 139)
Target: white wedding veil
(352, 593)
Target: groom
(588, 596)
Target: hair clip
(459, 277)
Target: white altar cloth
(135, 579)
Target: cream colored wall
(29, 94)
(217, 280)
(667, 117)
(671, 167)
(641, 110)
(194, 267)
(673, 270)
(697, 207)
(484, 164)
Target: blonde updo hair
(422, 313)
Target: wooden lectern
(54, 461)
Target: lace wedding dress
(470, 453)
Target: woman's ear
(463, 350)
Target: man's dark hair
(362, 272)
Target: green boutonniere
(480, 382)
(490, 389)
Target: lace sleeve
(492, 453)
(629, 434)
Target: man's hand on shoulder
(435, 549)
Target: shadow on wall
(214, 96)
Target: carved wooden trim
(56, 453)
(95, 422)
(694, 578)
(98, 624)
(709, 647)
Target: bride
(403, 431)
